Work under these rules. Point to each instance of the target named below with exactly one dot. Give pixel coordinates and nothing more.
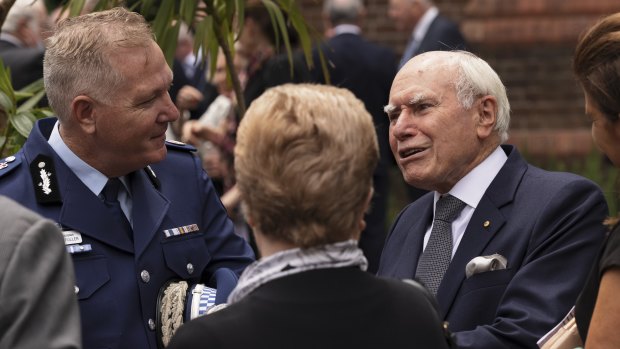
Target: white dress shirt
(470, 190)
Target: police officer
(137, 211)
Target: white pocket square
(482, 264)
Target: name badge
(72, 237)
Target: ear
(487, 116)
(84, 113)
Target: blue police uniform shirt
(93, 179)
(181, 232)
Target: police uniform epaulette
(176, 145)
(8, 164)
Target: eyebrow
(416, 99)
(389, 108)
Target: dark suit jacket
(26, 63)
(367, 70)
(547, 225)
(442, 35)
(324, 308)
(118, 281)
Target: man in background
(429, 30)
(21, 43)
(353, 64)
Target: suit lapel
(83, 211)
(409, 243)
(149, 209)
(500, 193)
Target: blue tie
(110, 199)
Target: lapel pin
(486, 224)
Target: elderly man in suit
(505, 246)
(429, 30)
(353, 65)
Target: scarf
(297, 260)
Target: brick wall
(530, 44)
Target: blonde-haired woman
(304, 161)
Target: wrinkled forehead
(421, 77)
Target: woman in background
(597, 66)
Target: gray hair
(476, 78)
(78, 56)
(21, 10)
(343, 11)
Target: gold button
(486, 224)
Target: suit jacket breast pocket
(99, 311)
(187, 256)
(490, 279)
(478, 299)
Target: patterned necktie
(110, 199)
(438, 252)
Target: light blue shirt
(92, 179)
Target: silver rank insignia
(44, 179)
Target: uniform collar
(92, 179)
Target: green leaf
(5, 79)
(45, 113)
(188, 11)
(23, 122)
(101, 5)
(324, 67)
(75, 7)
(240, 5)
(305, 40)
(31, 102)
(168, 42)
(22, 95)
(33, 87)
(163, 19)
(200, 49)
(275, 11)
(6, 103)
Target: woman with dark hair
(597, 67)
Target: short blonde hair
(78, 55)
(304, 161)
